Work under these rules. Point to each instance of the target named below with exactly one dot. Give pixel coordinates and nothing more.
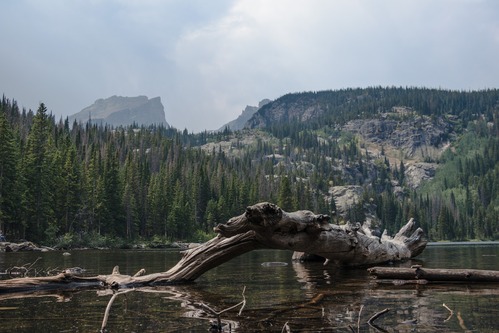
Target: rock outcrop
(294, 107)
(240, 122)
(417, 173)
(124, 111)
(417, 137)
(345, 197)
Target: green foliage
(66, 241)
(87, 240)
(462, 198)
(202, 236)
(10, 195)
(159, 242)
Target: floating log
(263, 225)
(418, 273)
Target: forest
(72, 185)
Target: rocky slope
(123, 111)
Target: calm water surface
(306, 297)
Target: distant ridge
(124, 111)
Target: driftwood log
(420, 275)
(23, 246)
(263, 225)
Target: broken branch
(376, 316)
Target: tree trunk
(263, 225)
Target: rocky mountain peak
(124, 111)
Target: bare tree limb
(108, 308)
(376, 316)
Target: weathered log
(418, 273)
(304, 231)
(23, 246)
(263, 225)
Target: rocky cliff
(123, 111)
(415, 136)
(285, 109)
(248, 112)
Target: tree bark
(263, 225)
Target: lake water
(306, 297)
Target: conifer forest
(83, 184)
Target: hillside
(123, 111)
(411, 132)
(378, 154)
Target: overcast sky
(207, 60)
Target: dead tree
(263, 225)
(419, 275)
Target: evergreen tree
(9, 191)
(36, 172)
(112, 195)
(285, 198)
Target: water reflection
(307, 297)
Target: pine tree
(113, 219)
(36, 172)
(9, 190)
(285, 198)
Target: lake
(306, 297)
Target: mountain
(409, 124)
(240, 122)
(123, 111)
(386, 153)
(382, 155)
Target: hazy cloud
(208, 60)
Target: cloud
(208, 60)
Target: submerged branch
(108, 308)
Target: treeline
(352, 103)
(72, 184)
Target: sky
(208, 60)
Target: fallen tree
(22, 246)
(420, 275)
(263, 225)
